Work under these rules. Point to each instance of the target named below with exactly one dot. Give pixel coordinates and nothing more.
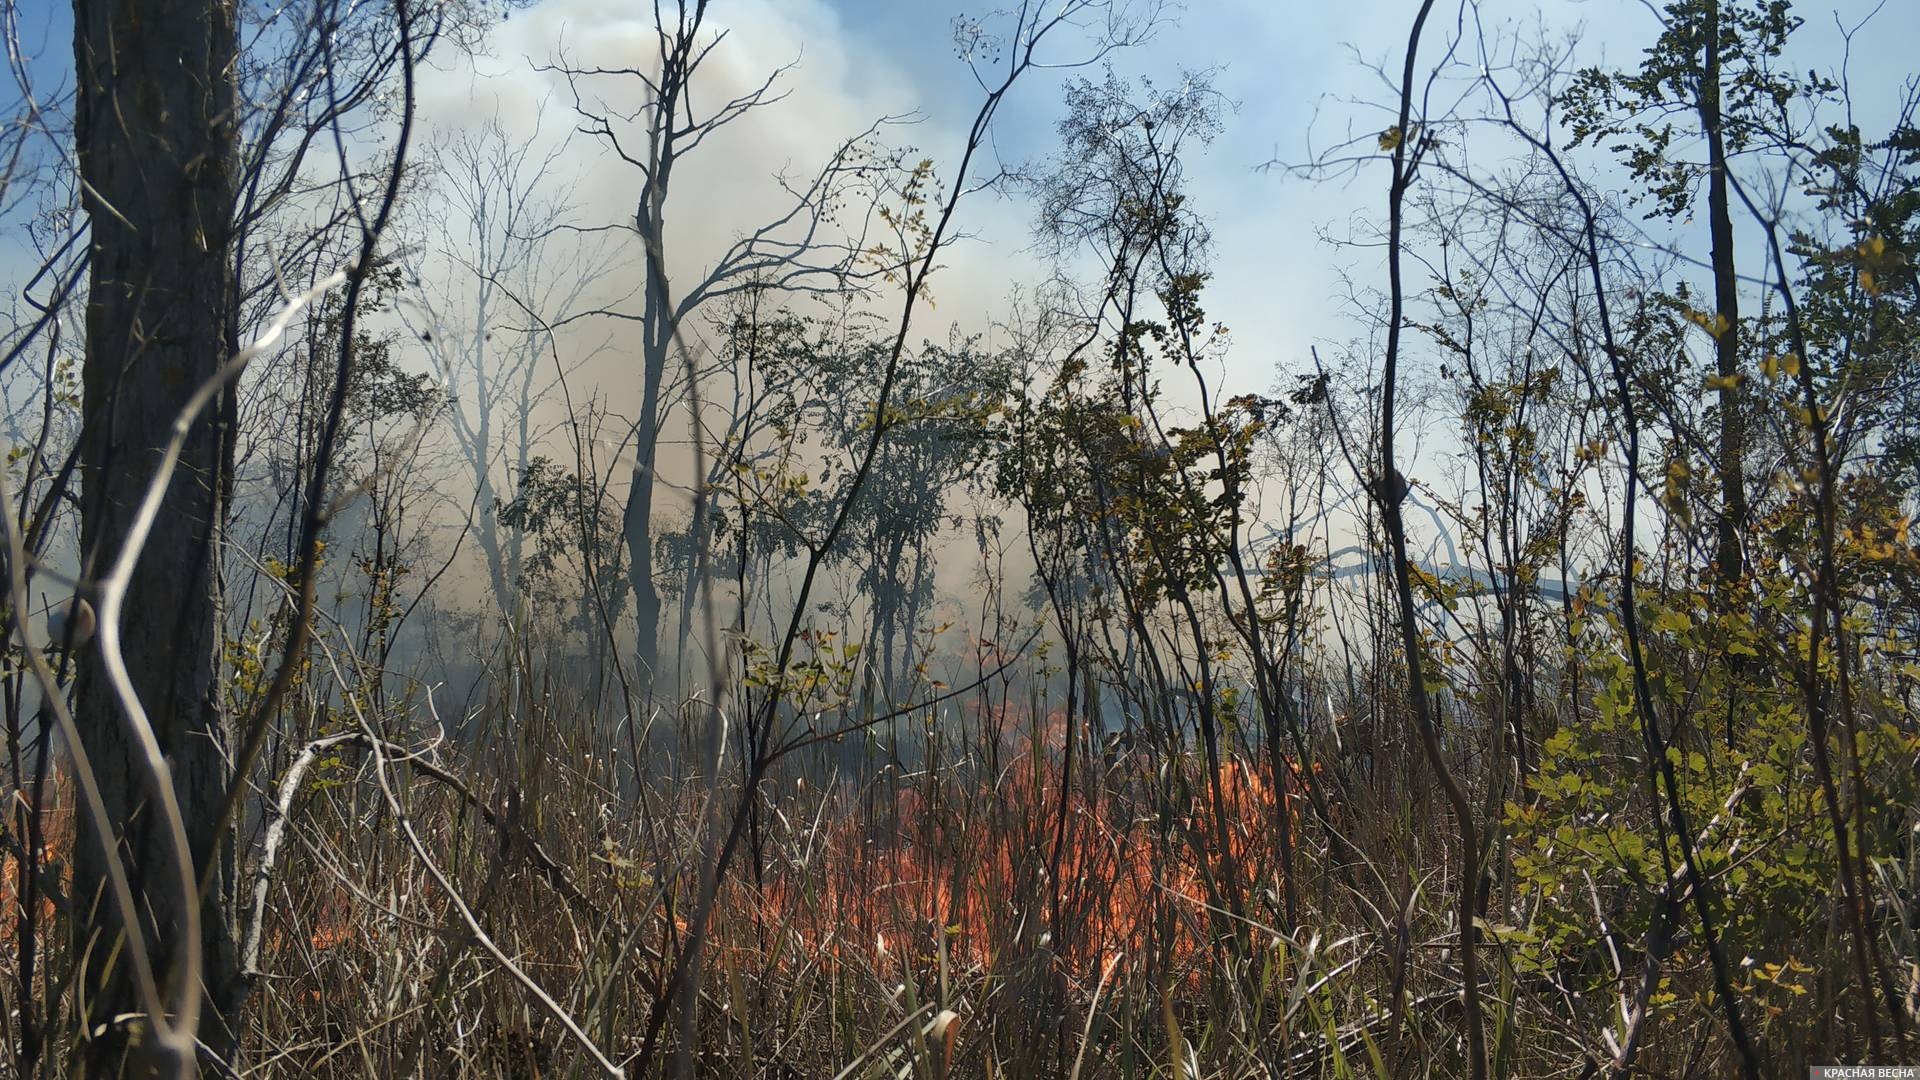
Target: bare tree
(1389, 491)
(504, 264)
(806, 247)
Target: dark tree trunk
(1726, 299)
(637, 520)
(155, 138)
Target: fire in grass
(983, 867)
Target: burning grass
(1046, 898)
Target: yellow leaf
(1672, 622)
(1715, 324)
(1390, 139)
(1725, 382)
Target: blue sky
(1300, 67)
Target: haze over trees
(642, 539)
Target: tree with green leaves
(1712, 75)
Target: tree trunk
(1726, 299)
(637, 520)
(155, 137)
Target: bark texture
(155, 137)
